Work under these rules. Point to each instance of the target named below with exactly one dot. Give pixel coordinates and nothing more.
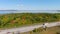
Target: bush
(57, 32)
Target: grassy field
(51, 30)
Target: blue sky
(30, 4)
(8, 4)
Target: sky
(29, 4)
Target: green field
(50, 30)
(23, 19)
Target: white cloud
(20, 6)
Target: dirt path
(28, 28)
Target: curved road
(29, 28)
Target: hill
(20, 19)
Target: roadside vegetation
(22, 19)
(50, 30)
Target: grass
(51, 30)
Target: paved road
(28, 28)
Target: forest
(20, 19)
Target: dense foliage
(18, 19)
